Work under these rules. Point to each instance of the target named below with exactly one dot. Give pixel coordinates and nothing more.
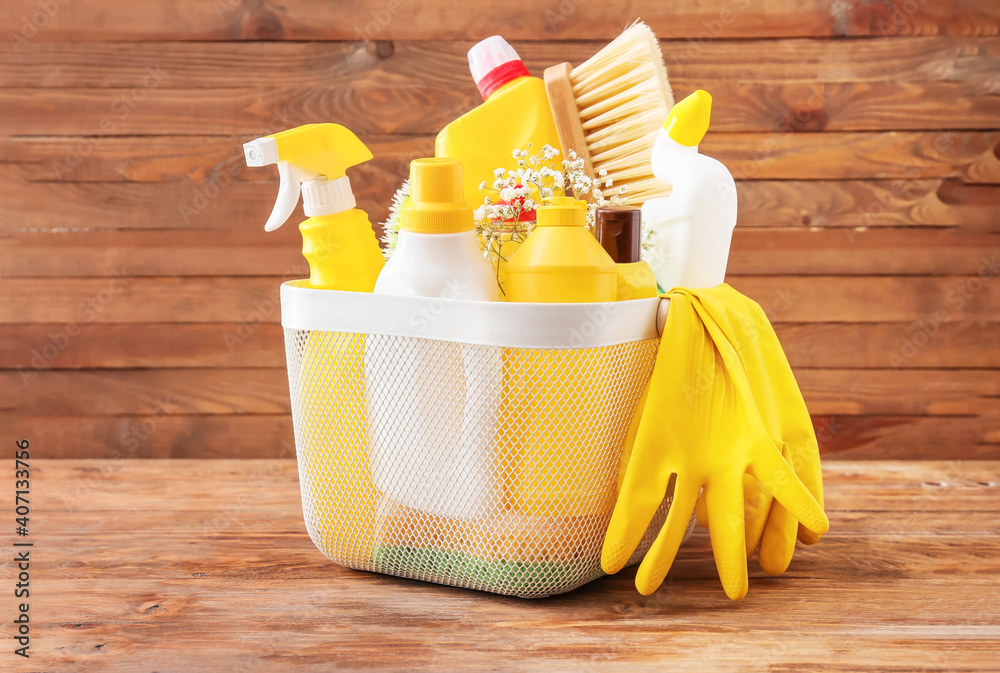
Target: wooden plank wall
(137, 287)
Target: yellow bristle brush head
(610, 108)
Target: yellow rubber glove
(729, 315)
(700, 429)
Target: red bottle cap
(494, 63)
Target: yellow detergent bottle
(559, 262)
(515, 113)
(343, 254)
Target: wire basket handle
(661, 315)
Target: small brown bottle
(619, 231)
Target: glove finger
(661, 554)
(807, 536)
(630, 435)
(726, 528)
(642, 493)
(756, 506)
(804, 534)
(660, 439)
(807, 466)
(778, 542)
(778, 478)
(701, 512)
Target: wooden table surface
(205, 565)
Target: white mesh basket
(466, 443)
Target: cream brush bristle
(610, 108)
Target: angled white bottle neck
(322, 196)
(671, 161)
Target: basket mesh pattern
(481, 467)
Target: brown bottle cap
(619, 231)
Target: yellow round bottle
(560, 262)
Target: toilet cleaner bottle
(691, 229)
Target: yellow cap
(436, 204)
(562, 211)
(688, 120)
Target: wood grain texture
(927, 345)
(417, 87)
(139, 299)
(357, 20)
(967, 156)
(853, 204)
(209, 65)
(209, 252)
(206, 566)
(27, 349)
(158, 413)
(183, 435)
(41, 347)
(166, 434)
(909, 437)
(398, 108)
(115, 392)
(133, 267)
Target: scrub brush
(609, 109)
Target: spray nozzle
(314, 159)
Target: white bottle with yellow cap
(437, 253)
(435, 403)
(691, 229)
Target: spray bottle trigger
(288, 193)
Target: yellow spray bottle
(337, 239)
(343, 254)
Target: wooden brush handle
(564, 111)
